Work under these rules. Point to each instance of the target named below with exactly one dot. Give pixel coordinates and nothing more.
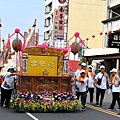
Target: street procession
(69, 68)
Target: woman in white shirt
(115, 81)
(7, 87)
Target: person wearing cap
(101, 80)
(91, 77)
(115, 82)
(7, 87)
(82, 67)
(81, 87)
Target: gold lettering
(50, 64)
(33, 63)
(42, 63)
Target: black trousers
(5, 97)
(91, 92)
(115, 97)
(100, 92)
(83, 97)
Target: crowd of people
(85, 80)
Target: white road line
(33, 117)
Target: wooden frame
(63, 83)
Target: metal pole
(16, 60)
(0, 33)
(86, 44)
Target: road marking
(33, 117)
(103, 110)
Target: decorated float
(44, 83)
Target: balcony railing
(114, 3)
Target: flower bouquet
(45, 102)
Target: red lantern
(101, 33)
(62, 1)
(77, 34)
(75, 47)
(110, 31)
(93, 36)
(87, 38)
(17, 44)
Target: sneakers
(91, 103)
(109, 109)
(118, 109)
(83, 109)
(97, 105)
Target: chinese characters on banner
(36, 39)
(55, 25)
(24, 66)
(61, 10)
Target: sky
(21, 14)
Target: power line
(20, 24)
(25, 2)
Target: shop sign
(114, 40)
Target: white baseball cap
(113, 70)
(90, 66)
(83, 64)
(82, 71)
(102, 67)
(12, 68)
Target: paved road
(91, 113)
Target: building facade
(111, 23)
(110, 52)
(85, 16)
(51, 22)
(82, 16)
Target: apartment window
(115, 12)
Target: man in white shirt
(7, 87)
(81, 87)
(101, 85)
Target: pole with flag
(0, 32)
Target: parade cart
(44, 82)
(43, 68)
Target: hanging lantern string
(8, 42)
(69, 41)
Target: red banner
(61, 10)
(55, 25)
